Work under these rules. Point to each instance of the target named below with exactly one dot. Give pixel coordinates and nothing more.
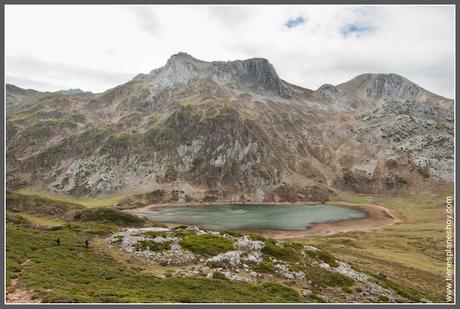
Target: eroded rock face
(230, 127)
(420, 129)
(181, 68)
(105, 175)
(256, 73)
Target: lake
(251, 217)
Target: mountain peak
(378, 85)
(257, 74)
(182, 57)
(72, 91)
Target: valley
(328, 195)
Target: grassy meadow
(408, 257)
(410, 254)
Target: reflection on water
(246, 217)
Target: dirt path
(15, 295)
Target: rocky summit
(199, 131)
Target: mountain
(197, 130)
(72, 91)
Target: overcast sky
(98, 47)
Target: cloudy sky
(98, 47)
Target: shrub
(396, 182)
(323, 256)
(336, 279)
(348, 177)
(119, 239)
(208, 245)
(219, 275)
(391, 163)
(424, 172)
(316, 298)
(256, 237)
(171, 174)
(154, 196)
(232, 233)
(184, 233)
(153, 234)
(286, 193)
(210, 198)
(265, 267)
(286, 253)
(279, 289)
(153, 245)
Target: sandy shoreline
(376, 217)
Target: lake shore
(376, 217)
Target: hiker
(58, 241)
(86, 243)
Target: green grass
(402, 290)
(287, 252)
(411, 253)
(34, 204)
(17, 219)
(153, 245)
(103, 201)
(219, 275)
(72, 273)
(153, 234)
(24, 118)
(323, 256)
(327, 278)
(256, 237)
(264, 267)
(43, 221)
(314, 298)
(207, 245)
(108, 215)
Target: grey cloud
(28, 83)
(147, 19)
(30, 70)
(231, 16)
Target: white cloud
(98, 47)
(43, 75)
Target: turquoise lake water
(247, 217)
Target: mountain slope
(230, 130)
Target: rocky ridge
(251, 259)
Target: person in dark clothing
(86, 243)
(58, 241)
